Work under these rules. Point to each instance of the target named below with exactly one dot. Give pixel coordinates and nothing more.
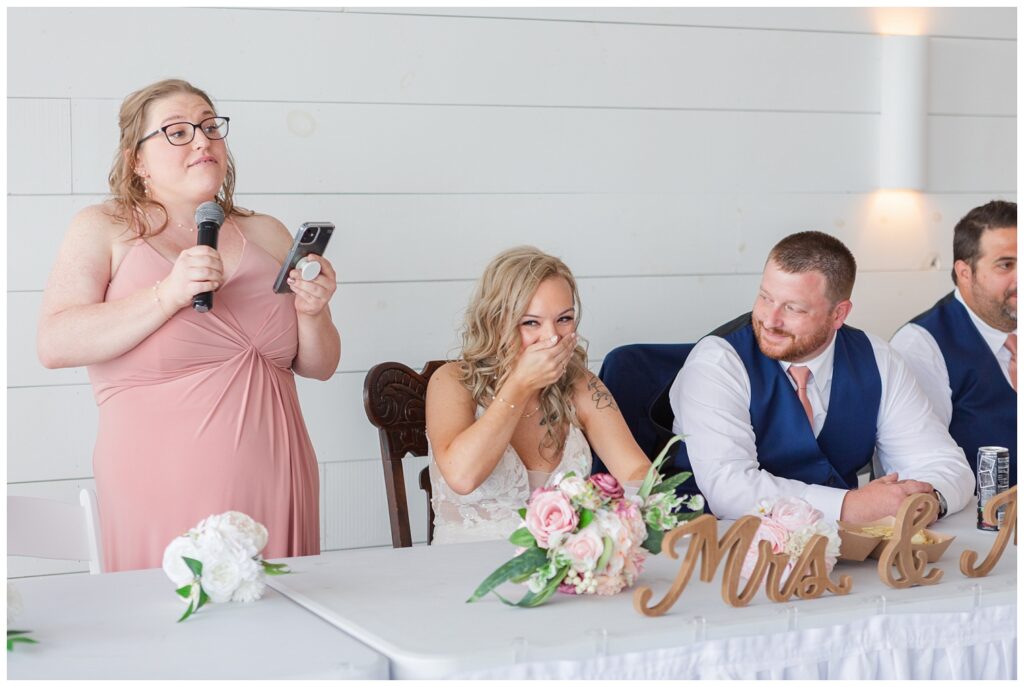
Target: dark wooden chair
(394, 397)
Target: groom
(787, 400)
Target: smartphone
(312, 237)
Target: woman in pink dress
(198, 411)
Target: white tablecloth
(918, 646)
(409, 604)
(122, 625)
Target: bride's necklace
(527, 416)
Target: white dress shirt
(711, 402)
(922, 355)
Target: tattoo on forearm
(601, 397)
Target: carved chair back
(394, 397)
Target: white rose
(238, 528)
(210, 522)
(611, 525)
(173, 565)
(249, 590)
(241, 527)
(221, 578)
(572, 486)
(213, 545)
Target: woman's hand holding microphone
(197, 270)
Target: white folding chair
(45, 528)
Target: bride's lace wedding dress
(491, 510)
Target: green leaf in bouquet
(671, 483)
(532, 600)
(653, 541)
(275, 568)
(18, 637)
(652, 472)
(606, 555)
(193, 606)
(586, 517)
(522, 537)
(523, 564)
(195, 566)
(187, 613)
(522, 513)
(520, 579)
(184, 592)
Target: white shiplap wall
(660, 152)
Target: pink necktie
(800, 374)
(1011, 346)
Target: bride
(520, 406)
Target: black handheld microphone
(209, 217)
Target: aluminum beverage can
(993, 478)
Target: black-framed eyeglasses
(182, 133)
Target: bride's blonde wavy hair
(126, 187)
(491, 340)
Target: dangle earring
(145, 182)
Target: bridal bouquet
(219, 560)
(587, 536)
(788, 524)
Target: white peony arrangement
(219, 560)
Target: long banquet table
(409, 605)
(122, 625)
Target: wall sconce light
(903, 133)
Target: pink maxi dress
(203, 417)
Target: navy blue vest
(984, 403)
(786, 445)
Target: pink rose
(769, 531)
(794, 514)
(549, 516)
(634, 565)
(630, 514)
(584, 548)
(607, 585)
(607, 485)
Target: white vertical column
(903, 125)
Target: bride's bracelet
(500, 399)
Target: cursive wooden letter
(967, 558)
(809, 578)
(914, 513)
(704, 545)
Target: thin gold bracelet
(156, 298)
(499, 398)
